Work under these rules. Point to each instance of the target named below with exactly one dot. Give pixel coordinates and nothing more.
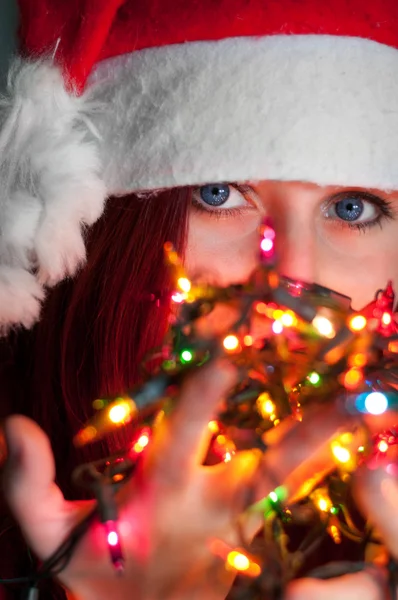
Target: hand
(375, 488)
(173, 507)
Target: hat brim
(312, 108)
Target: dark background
(8, 26)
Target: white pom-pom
(20, 298)
(50, 180)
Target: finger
(28, 480)
(182, 440)
(302, 453)
(367, 585)
(376, 491)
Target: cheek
(221, 251)
(358, 272)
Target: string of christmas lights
(294, 345)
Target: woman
(301, 123)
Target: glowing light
(261, 308)
(265, 405)
(357, 323)
(277, 327)
(184, 284)
(248, 340)
(119, 413)
(324, 504)
(357, 360)
(386, 318)
(266, 245)
(353, 378)
(273, 496)
(178, 297)
(186, 356)
(213, 427)
(278, 314)
(86, 435)
(143, 440)
(335, 534)
(314, 378)
(113, 538)
(376, 403)
(227, 456)
(288, 319)
(324, 326)
(238, 561)
(382, 446)
(393, 347)
(341, 454)
(231, 342)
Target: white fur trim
(20, 298)
(50, 186)
(313, 108)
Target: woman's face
(343, 238)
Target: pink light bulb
(266, 245)
(113, 538)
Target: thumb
(29, 488)
(376, 491)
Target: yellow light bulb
(213, 426)
(382, 446)
(324, 326)
(184, 284)
(265, 406)
(119, 412)
(324, 505)
(341, 454)
(238, 561)
(357, 323)
(288, 319)
(231, 342)
(143, 440)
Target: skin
(171, 509)
(313, 244)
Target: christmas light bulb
(277, 327)
(184, 284)
(357, 323)
(178, 298)
(314, 378)
(386, 318)
(238, 561)
(231, 342)
(376, 403)
(324, 326)
(382, 446)
(114, 545)
(119, 413)
(186, 356)
(353, 378)
(341, 454)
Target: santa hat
(114, 96)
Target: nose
(296, 248)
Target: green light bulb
(186, 356)
(314, 378)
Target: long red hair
(95, 330)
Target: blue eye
(357, 209)
(215, 194)
(349, 209)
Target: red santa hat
(114, 96)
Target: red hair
(96, 329)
